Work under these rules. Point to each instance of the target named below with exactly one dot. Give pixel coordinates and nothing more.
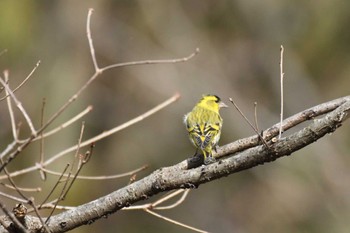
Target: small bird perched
(204, 125)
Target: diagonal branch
(234, 157)
(179, 176)
(270, 133)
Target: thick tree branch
(233, 157)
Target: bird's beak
(222, 105)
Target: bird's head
(212, 102)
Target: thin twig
(65, 124)
(55, 186)
(12, 114)
(27, 141)
(166, 197)
(24, 81)
(58, 199)
(21, 188)
(18, 104)
(145, 62)
(256, 116)
(84, 160)
(149, 62)
(281, 77)
(8, 149)
(14, 154)
(76, 155)
(14, 184)
(43, 223)
(242, 114)
(173, 221)
(251, 125)
(41, 152)
(65, 190)
(91, 45)
(11, 197)
(51, 206)
(1, 53)
(178, 202)
(117, 176)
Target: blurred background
(240, 51)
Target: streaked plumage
(204, 124)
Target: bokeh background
(239, 43)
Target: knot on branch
(20, 212)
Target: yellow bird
(204, 124)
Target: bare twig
(65, 124)
(281, 78)
(117, 176)
(15, 153)
(8, 149)
(77, 157)
(256, 116)
(18, 104)
(178, 202)
(149, 62)
(51, 206)
(246, 119)
(173, 221)
(60, 198)
(66, 189)
(14, 184)
(41, 152)
(11, 197)
(24, 81)
(251, 125)
(21, 188)
(88, 32)
(55, 186)
(145, 62)
(166, 197)
(43, 223)
(82, 160)
(12, 114)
